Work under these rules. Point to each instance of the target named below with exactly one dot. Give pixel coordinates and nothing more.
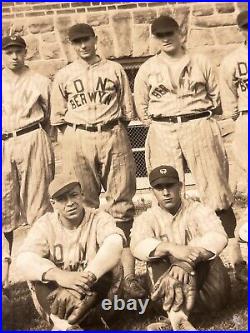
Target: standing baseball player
(234, 92)
(28, 160)
(180, 240)
(176, 94)
(71, 257)
(234, 98)
(91, 106)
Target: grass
(234, 317)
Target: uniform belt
(95, 128)
(244, 112)
(6, 136)
(184, 118)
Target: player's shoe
(75, 328)
(162, 325)
(133, 288)
(185, 325)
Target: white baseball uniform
(186, 86)
(97, 95)
(53, 245)
(234, 98)
(28, 159)
(194, 225)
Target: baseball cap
(164, 23)
(13, 41)
(61, 184)
(242, 18)
(163, 174)
(80, 30)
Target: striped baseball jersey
(234, 81)
(194, 224)
(160, 90)
(91, 94)
(25, 99)
(66, 249)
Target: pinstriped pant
(102, 159)
(200, 143)
(240, 143)
(28, 168)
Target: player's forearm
(107, 257)
(164, 249)
(32, 266)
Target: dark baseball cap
(164, 23)
(61, 184)
(13, 41)
(80, 30)
(163, 174)
(242, 18)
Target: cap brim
(64, 189)
(14, 44)
(164, 180)
(81, 35)
(164, 30)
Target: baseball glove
(70, 305)
(189, 288)
(175, 293)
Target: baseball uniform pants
(213, 284)
(102, 159)
(240, 143)
(107, 287)
(199, 142)
(27, 170)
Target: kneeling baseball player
(66, 259)
(180, 240)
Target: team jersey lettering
(76, 260)
(242, 80)
(102, 95)
(160, 91)
(58, 254)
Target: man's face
(69, 204)
(13, 57)
(85, 47)
(168, 196)
(170, 42)
(244, 31)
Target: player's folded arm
(107, 256)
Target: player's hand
(179, 274)
(235, 115)
(185, 253)
(78, 281)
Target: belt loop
(179, 120)
(39, 124)
(74, 127)
(99, 128)
(14, 134)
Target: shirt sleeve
(141, 94)
(33, 255)
(58, 101)
(106, 226)
(229, 97)
(209, 231)
(143, 240)
(211, 83)
(126, 99)
(44, 99)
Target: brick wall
(123, 29)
